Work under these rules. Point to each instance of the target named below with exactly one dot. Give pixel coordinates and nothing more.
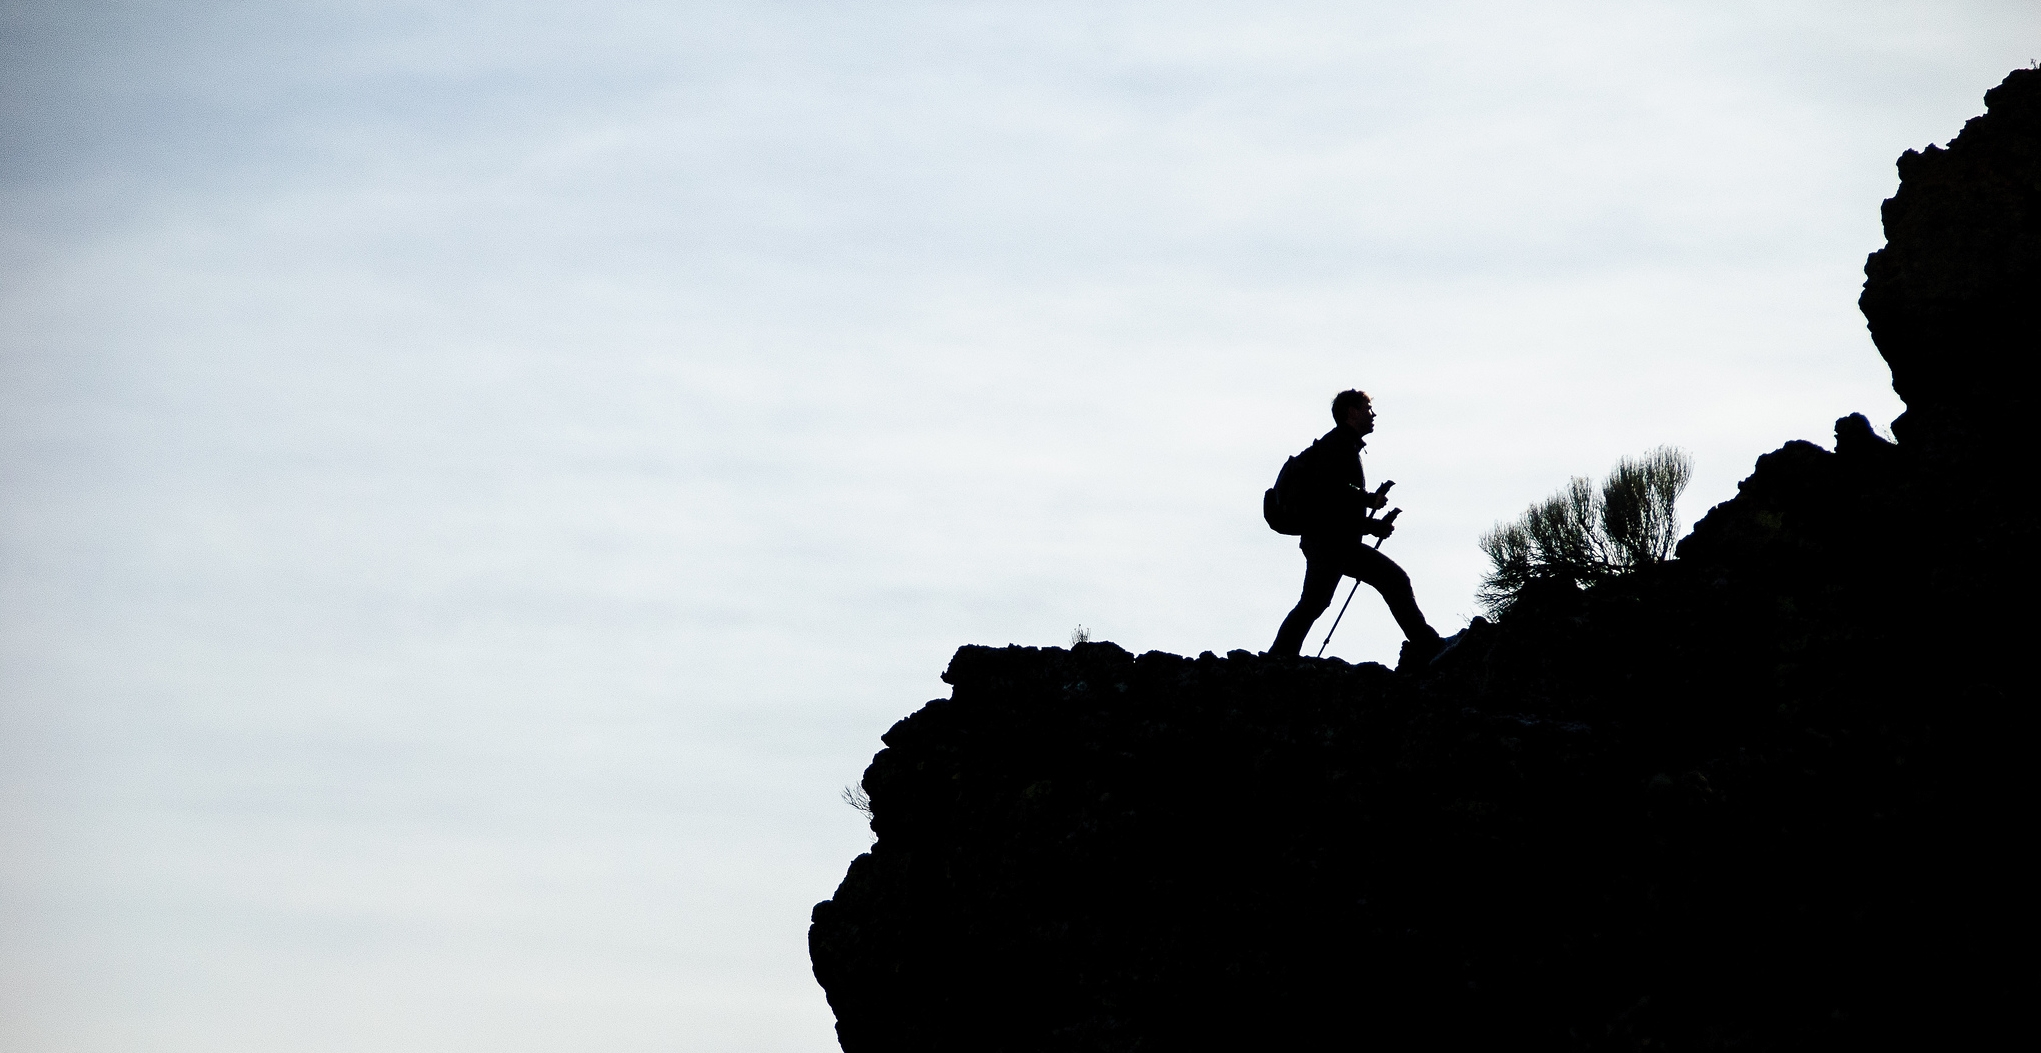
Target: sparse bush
(855, 796)
(1080, 635)
(1581, 536)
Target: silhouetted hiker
(1326, 490)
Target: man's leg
(1321, 580)
(1389, 579)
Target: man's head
(1353, 410)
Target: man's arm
(1356, 502)
(1370, 525)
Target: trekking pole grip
(1386, 520)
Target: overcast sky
(477, 479)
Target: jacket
(1332, 490)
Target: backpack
(1284, 516)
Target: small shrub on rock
(1582, 536)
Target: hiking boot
(1417, 654)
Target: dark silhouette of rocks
(1768, 795)
(1951, 298)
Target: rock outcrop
(1952, 297)
(1768, 795)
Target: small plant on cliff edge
(1080, 635)
(1581, 536)
(855, 796)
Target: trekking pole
(1335, 620)
(1390, 518)
(1386, 520)
(1380, 493)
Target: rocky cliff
(1765, 796)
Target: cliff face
(1951, 299)
(1766, 796)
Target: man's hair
(1347, 400)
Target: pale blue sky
(478, 479)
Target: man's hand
(1377, 527)
(1375, 500)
